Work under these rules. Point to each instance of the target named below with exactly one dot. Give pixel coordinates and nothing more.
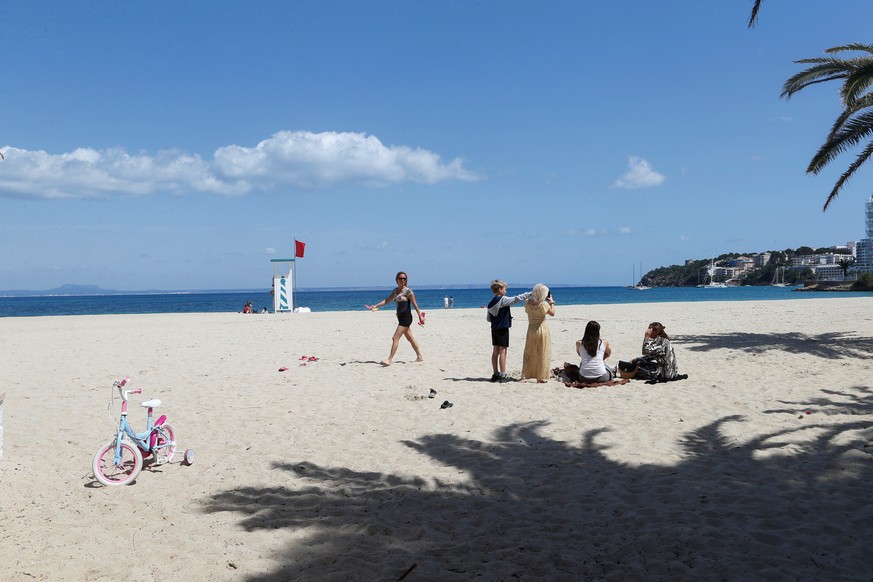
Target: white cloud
(297, 160)
(383, 246)
(639, 175)
(271, 251)
(597, 232)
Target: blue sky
(182, 145)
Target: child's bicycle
(120, 461)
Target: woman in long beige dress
(538, 343)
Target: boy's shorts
(500, 337)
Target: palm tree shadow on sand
(793, 504)
(832, 345)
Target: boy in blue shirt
(501, 320)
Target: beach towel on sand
(562, 375)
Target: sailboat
(777, 282)
(713, 284)
(638, 285)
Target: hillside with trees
(694, 272)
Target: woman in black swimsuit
(405, 299)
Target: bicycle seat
(154, 403)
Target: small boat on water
(710, 274)
(638, 285)
(777, 281)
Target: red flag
(299, 247)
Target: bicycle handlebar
(120, 384)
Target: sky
(183, 145)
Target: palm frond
(850, 133)
(857, 85)
(825, 70)
(859, 161)
(854, 46)
(847, 113)
(753, 19)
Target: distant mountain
(85, 290)
(62, 290)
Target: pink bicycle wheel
(108, 472)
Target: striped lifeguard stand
(283, 286)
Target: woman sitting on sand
(405, 299)
(594, 352)
(658, 361)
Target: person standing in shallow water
(404, 297)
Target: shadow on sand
(790, 505)
(833, 345)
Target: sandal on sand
(446, 404)
(432, 393)
(283, 369)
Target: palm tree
(855, 124)
(845, 264)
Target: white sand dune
(757, 467)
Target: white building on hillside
(864, 247)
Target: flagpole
(294, 277)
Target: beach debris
(432, 393)
(407, 572)
(446, 404)
(308, 359)
(283, 369)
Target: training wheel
(189, 457)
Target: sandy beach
(757, 467)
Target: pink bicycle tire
(108, 473)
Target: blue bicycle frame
(146, 441)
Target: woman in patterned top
(657, 350)
(405, 300)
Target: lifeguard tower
(283, 286)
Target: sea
(355, 299)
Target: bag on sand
(646, 369)
(627, 369)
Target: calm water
(345, 300)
